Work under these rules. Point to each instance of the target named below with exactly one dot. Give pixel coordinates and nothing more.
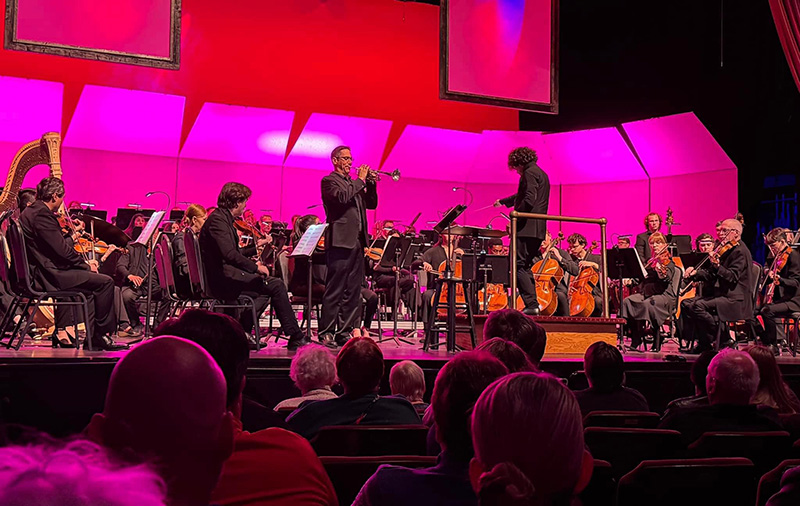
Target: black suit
(56, 266)
(136, 263)
(728, 294)
(533, 196)
(346, 202)
(643, 246)
(786, 299)
(230, 274)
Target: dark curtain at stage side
(787, 21)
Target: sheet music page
(150, 228)
(308, 242)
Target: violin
(581, 300)
(547, 274)
(659, 260)
(374, 254)
(765, 297)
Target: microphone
(456, 188)
(169, 199)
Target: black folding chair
(22, 286)
(5, 280)
(197, 280)
(166, 275)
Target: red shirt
(275, 467)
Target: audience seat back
(601, 487)
(770, 482)
(626, 448)
(624, 419)
(348, 474)
(370, 440)
(689, 482)
(764, 449)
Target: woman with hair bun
(527, 433)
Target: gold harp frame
(172, 62)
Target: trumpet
(375, 175)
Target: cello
(581, 300)
(547, 274)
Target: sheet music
(150, 228)
(308, 242)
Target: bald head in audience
(732, 378)
(166, 403)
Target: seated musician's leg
(275, 289)
(701, 313)
(129, 295)
(370, 306)
(563, 303)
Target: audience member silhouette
(509, 354)
(772, 390)
(520, 329)
(270, 466)
(313, 371)
(407, 379)
(166, 404)
(698, 376)
(359, 366)
(528, 438)
(604, 369)
(458, 385)
(732, 382)
(78, 473)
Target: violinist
(136, 225)
(727, 288)
(784, 274)
(383, 230)
(265, 222)
(623, 242)
(579, 253)
(659, 289)
(384, 277)
(570, 268)
(25, 198)
(230, 273)
(56, 266)
(533, 196)
(652, 223)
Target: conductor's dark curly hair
(521, 157)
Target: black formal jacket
(787, 289)
(731, 282)
(50, 255)
(226, 267)
(533, 196)
(346, 202)
(134, 262)
(643, 246)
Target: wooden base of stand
(565, 335)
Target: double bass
(581, 300)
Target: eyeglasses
(345, 158)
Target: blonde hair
(407, 379)
(193, 211)
(657, 237)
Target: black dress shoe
(59, 343)
(531, 311)
(297, 342)
(105, 343)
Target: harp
(46, 150)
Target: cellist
(656, 300)
(785, 278)
(566, 263)
(579, 253)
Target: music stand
(445, 224)
(624, 263)
(147, 238)
(680, 244)
(413, 253)
(692, 258)
(305, 248)
(125, 214)
(394, 251)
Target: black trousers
(406, 283)
(769, 314)
(698, 321)
(527, 249)
(130, 295)
(370, 306)
(99, 292)
(266, 290)
(341, 304)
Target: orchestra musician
(231, 273)
(786, 296)
(132, 270)
(579, 253)
(346, 202)
(384, 277)
(265, 222)
(568, 265)
(384, 229)
(533, 196)
(652, 223)
(57, 266)
(704, 243)
(623, 242)
(194, 217)
(495, 246)
(658, 292)
(727, 289)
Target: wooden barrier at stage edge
(565, 335)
